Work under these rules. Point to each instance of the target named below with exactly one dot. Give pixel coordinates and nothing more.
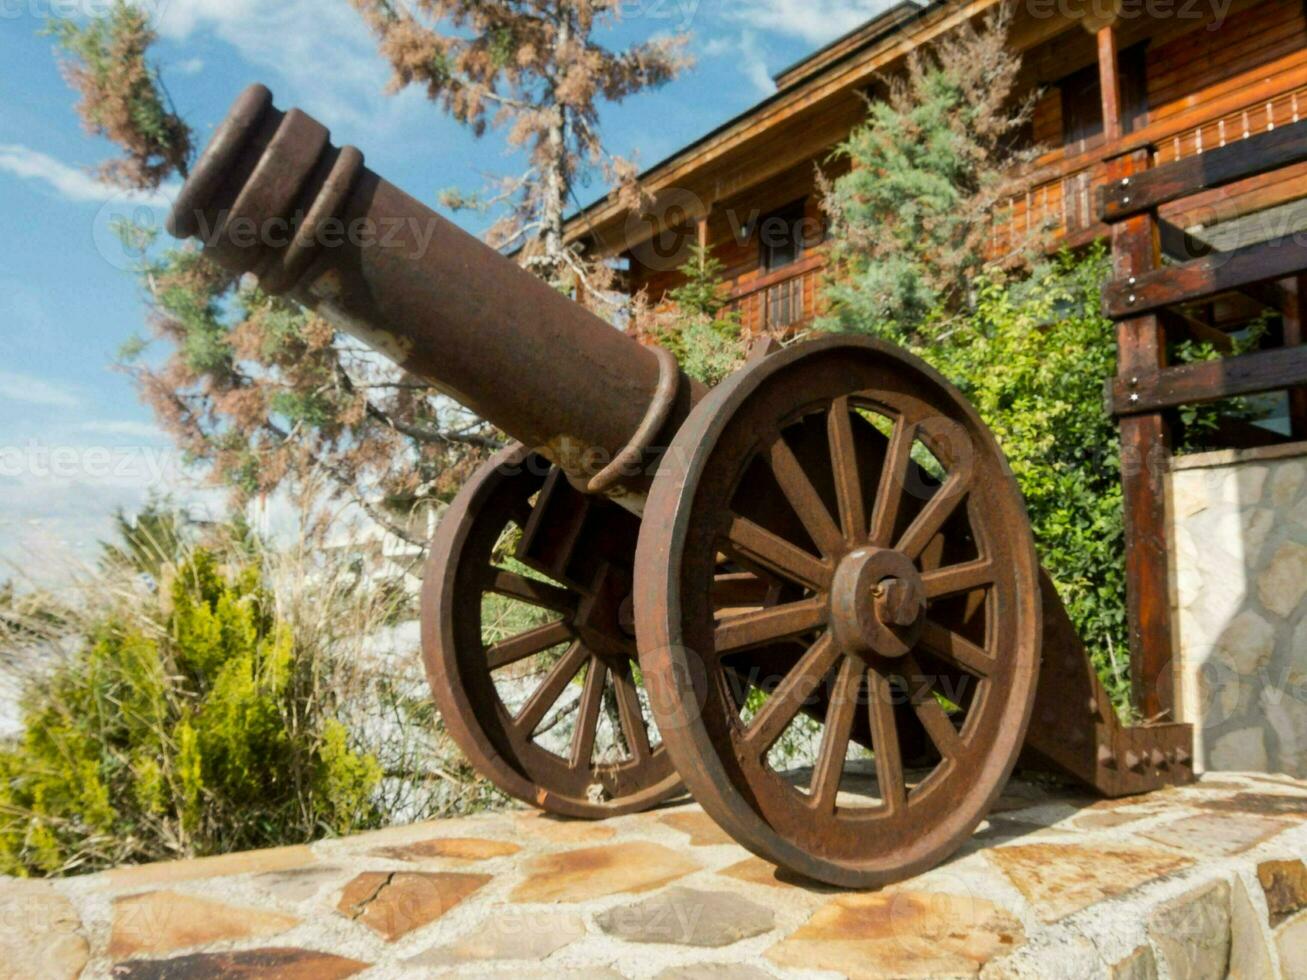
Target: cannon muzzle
(272, 196)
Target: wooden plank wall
(1205, 87)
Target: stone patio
(1189, 883)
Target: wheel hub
(877, 603)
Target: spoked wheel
(837, 606)
(529, 643)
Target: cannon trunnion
(658, 586)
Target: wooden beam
(1109, 75)
(1219, 272)
(1145, 460)
(1210, 381)
(1282, 147)
(1295, 337)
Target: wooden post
(1295, 333)
(1145, 460)
(1109, 76)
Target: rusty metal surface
(833, 535)
(1075, 729)
(809, 471)
(563, 645)
(274, 197)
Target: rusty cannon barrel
(272, 196)
(831, 532)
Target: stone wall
(1239, 557)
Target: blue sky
(74, 441)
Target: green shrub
(190, 719)
(708, 343)
(1032, 356)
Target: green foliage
(1032, 357)
(708, 344)
(1202, 424)
(911, 220)
(122, 96)
(197, 726)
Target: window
(781, 236)
(1082, 99)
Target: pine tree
(539, 69)
(911, 220)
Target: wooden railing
(780, 301)
(1059, 199)
(1142, 299)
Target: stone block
(453, 848)
(1217, 835)
(901, 934)
(688, 917)
(1139, 965)
(1192, 933)
(277, 963)
(43, 935)
(163, 922)
(394, 903)
(1291, 944)
(1283, 583)
(1285, 885)
(1059, 879)
(701, 828)
(593, 872)
(1239, 751)
(1250, 958)
(520, 936)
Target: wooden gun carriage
(831, 537)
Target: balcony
(1059, 197)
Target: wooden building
(1175, 129)
(1185, 77)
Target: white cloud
(68, 182)
(815, 21)
(34, 391)
(317, 54)
(748, 57)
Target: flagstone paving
(1199, 882)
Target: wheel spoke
(515, 586)
(528, 644)
(769, 625)
(885, 741)
(755, 543)
(829, 766)
(587, 719)
(628, 707)
(929, 711)
(928, 523)
(790, 695)
(803, 497)
(893, 483)
(550, 690)
(844, 464)
(956, 649)
(956, 579)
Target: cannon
(659, 587)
